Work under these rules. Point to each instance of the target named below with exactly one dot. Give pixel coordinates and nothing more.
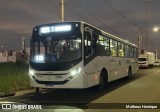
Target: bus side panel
(93, 70)
(134, 66)
(91, 73)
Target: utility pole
(156, 53)
(139, 39)
(62, 10)
(23, 45)
(147, 21)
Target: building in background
(9, 56)
(3, 56)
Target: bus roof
(112, 36)
(103, 32)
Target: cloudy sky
(120, 17)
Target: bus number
(58, 77)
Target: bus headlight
(31, 72)
(76, 71)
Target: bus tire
(103, 80)
(129, 72)
(37, 91)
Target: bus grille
(50, 74)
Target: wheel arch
(105, 72)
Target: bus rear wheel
(103, 81)
(129, 73)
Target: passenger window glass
(36, 48)
(88, 45)
(126, 51)
(113, 47)
(103, 45)
(120, 49)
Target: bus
(77, 55)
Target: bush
(13, 77)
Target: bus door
(89, 56)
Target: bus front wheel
(103, 82)
(37, 91)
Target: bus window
(88, 45)
(42, 48)
(103, 45)
(120, 49)
(48, 46)
(36, 51)
(131, 52)
(113, 47)
(135, 53)
(126, 51)
(107, 49)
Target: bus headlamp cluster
(58, 28)
(31, 72)
(76, 71)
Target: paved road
(143, 88)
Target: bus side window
(88, 45)
(35, 47)
(113, 47)
(120, 49)
(103, 46)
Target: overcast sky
(120, 17)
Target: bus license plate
(55, 78)
(49, 85)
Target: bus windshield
(52, 49)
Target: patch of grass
(13, 77)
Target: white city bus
(78, 55)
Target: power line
(147, 21)
(121, 14)
(100, 20)
(127, 19)
(74, 13)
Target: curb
(3, 95)
(24, 92)
(6, 95)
